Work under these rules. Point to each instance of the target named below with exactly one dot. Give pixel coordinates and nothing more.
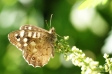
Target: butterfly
(36, 44)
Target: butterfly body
(36, 44)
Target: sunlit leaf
(91, 3)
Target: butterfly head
(52, 30)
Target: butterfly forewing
(36, 44)
(14, 38)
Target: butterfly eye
(17, 36)
(51, 31)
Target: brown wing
(35, 43)
(15, 39)
(39, 50)
(31, 27)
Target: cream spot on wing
(38, 35)
(16, 34)
(26, 27)
(25, 44)
(33, 43)
(21, 33)
(29, 34)
(29, 28)
(18, 39)
(25, 40)
(34, 35)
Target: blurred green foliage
(14, 13)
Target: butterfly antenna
(51, 19)
(46, 23)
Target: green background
(14, 13)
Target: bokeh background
(87, 23)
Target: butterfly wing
(39, 48)
(15, 38)
(38, 52)
(36, 44)
(31, 27)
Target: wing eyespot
(17, 36)
(33, 58)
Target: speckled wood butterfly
(36, 44)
